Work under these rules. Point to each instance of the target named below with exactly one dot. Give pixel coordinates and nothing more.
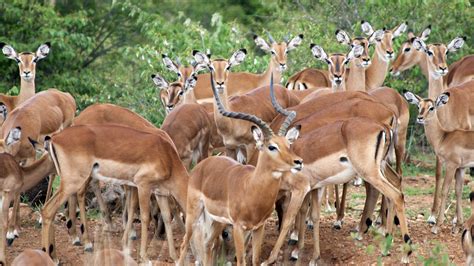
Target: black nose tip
(442, 68)
(220, 83)
(27, 72)
(390, 52)
(298, 162)
(170, 105)
(282, 64)
(366, 59)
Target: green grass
(415, 191)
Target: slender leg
(7, 199)
(132, 203)
(437, 193)
(50, 186)
(299, 224)
(16, 215)
(316, 205)
(459, 220)
(257, 239)
(144, 193)
(369, 207)
(342, 207)
(71, 223)
(239, 242)
(81, 196)
(193, 211)
(449, 176)
(94, 185)
(166, 214)
(330, 190)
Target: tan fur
(458, 113)
(44, 114)
(460, 71)
(113, 257)
(408, 57)
(468, 234)
(309, 78)
(76, 150)
(32, 257)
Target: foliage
(105, 51)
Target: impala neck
(356, 77)
(263, 179)
(377, 71)
(436, 85)
(434, 133)
(189, 97)
(37, 171)
(27, 90)
(272, 68)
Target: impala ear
(237, 58)
(425, 33)
(442, 99)
(343, 37)
(295, 42)
(190, 83)
(293, 134)
(8, 51)
(43, 50)
(420, 45)
(261, 43)
(456, 44)
(170, 65)
(411, 97)
(159, 81)
(201, 58)
(3, 111)
(366, 28)
(400, 29)
(258, 136)
(14, 136)
(376, 36)
(319, 53)
(356, 51)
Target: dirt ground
(338, 247)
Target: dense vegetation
(105, 51)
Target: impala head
(436, 54)
(279, 51)
(426, 107)
(220, 68)
(408, 56)
(26, 60)
(274, 149)
(384, 46)
(337, 63)
(364, 59)
(181, 71)
(12, 145)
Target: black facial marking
(463, 234)
(43, 249)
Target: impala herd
(281, 148)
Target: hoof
(434, 230)
(88, 247)
(133, 235)
(431, 220)
(294, 255)
(16, 234)
(337, 225)
(314, 262)
(292, 242)
(10, 241)
(358, 236)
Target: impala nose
(298, 165)
(389, 54)
(420, 120)
(337, 79)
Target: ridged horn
(270, 37)
(290, 115)
(266, 130)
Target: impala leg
(16, 215)
(296, 200)
(372, 196)
(300, 228)
(459, 220)
(132, 203)
(342, 207)
(239, 242)
(163, 203)
(94, 185)
(71, 222)
(390, 217)
(383, 214)
(47, 214)
(437, 193)
(50, 186)
(4, 225)
(7, 199)
(81, 196)
(449, 176)
(331, 201)
(257, 239)
(315, 214)
(144, 194)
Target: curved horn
(286, 38)
(290, 115)
(270, 37)
(267, 131)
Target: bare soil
(338, 247)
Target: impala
(113, 257)
(27, 66)
(33, 257)
(43, 114)
(375, 74)
(454, 149)
(236, 134)
(468, 234)
(146, 160)
(334, 154)
(241, 82)
(239, 201)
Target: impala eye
(407, 49)
(430, 53)
(272, 148)
(431, 109)
(273, 52)
(181, 93)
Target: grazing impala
(237, 200)
(146, 160)
(343, 149)
(241, 82)
(455, 150)
(43, 114)
(27, 66)
(236, 134)
(375, 74)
